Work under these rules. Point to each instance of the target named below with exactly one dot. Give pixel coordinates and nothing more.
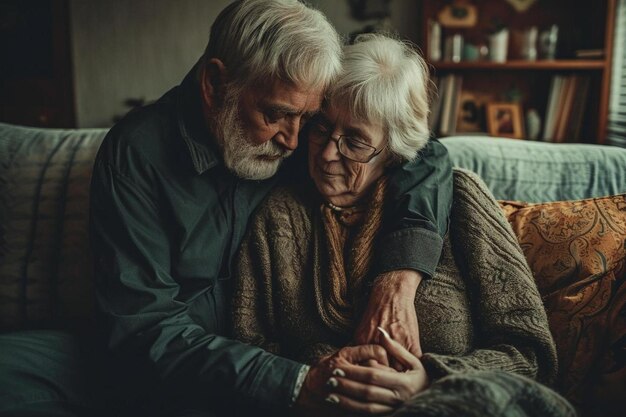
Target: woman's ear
(212, 82)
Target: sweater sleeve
(511, 330)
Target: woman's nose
(330, 152)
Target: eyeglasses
(350, 147)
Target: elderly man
(173, 187)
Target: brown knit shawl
(350, 237)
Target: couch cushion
(577, 252)
(539, 171)
(45, 268)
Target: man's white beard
(240, 156)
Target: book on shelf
(590, 53)
(446, 93)
(556, 83)
(567, 100)
(566, 108)
(450, 91)
(578, 110)
(435, 107)
(456, 99)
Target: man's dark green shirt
(166, 220)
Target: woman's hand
(416, 377)
(392, 306)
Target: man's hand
(316, 396)
(392, 306)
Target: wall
(404, 16)
(137, 48)
(141, 48)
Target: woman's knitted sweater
(480, 311)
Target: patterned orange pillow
(577, 252)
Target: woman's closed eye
(355, 143)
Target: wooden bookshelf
(582, 25)
(564, 64)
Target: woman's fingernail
(384, 332)
(332, 382)
(333, 399)
(338, 372)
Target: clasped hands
(381, 372)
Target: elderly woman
(305, 265)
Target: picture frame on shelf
(460, 14)
(505, 120)
(472, 111)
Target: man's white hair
(260, 41)
(386, 80)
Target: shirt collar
(192, 125)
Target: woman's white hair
(264, 40)
(386, 80)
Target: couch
(577, 258)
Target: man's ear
(212, 82)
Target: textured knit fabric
(487, 393)
(481, 310)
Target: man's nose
(287, 137)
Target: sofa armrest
(45, 269)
